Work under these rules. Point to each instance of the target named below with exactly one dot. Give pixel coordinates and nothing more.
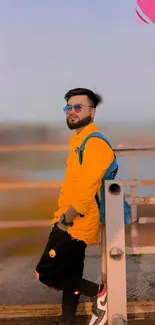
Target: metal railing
(113, 238)
(113, 252)
(132, 153)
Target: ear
(92, 112)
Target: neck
(82, 128)
(79, 130)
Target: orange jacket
(81, 184)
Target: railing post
(134, 217)
(133, 188)
(115, 251)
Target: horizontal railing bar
(141, 200)
(144, 220)
(135, 149)
(24, 224)
(58, 184)
(138, 182)
(65, 147)
(130, 249)
(137, 153)
(29, 185)
(26, 148)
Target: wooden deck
(44, 314)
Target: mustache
(71, 115)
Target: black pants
(61, 267)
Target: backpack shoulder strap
(111, 171)
(91, 135)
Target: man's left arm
(97, 157)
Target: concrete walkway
(19, 286)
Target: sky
(50, 46)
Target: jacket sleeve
(97, 157)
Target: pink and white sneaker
(99, 308)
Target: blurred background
(46, 48)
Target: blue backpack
(109, 175)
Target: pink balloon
(148, 8)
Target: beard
(81, 123)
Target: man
(76, 224)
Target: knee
(45, 276)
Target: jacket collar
(90, 128)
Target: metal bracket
(119, 320)
(116, 253)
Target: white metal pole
(115, 251)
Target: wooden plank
(135, 309)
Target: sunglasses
(77, 108)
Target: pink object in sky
(148, 9)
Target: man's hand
(70, 214)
